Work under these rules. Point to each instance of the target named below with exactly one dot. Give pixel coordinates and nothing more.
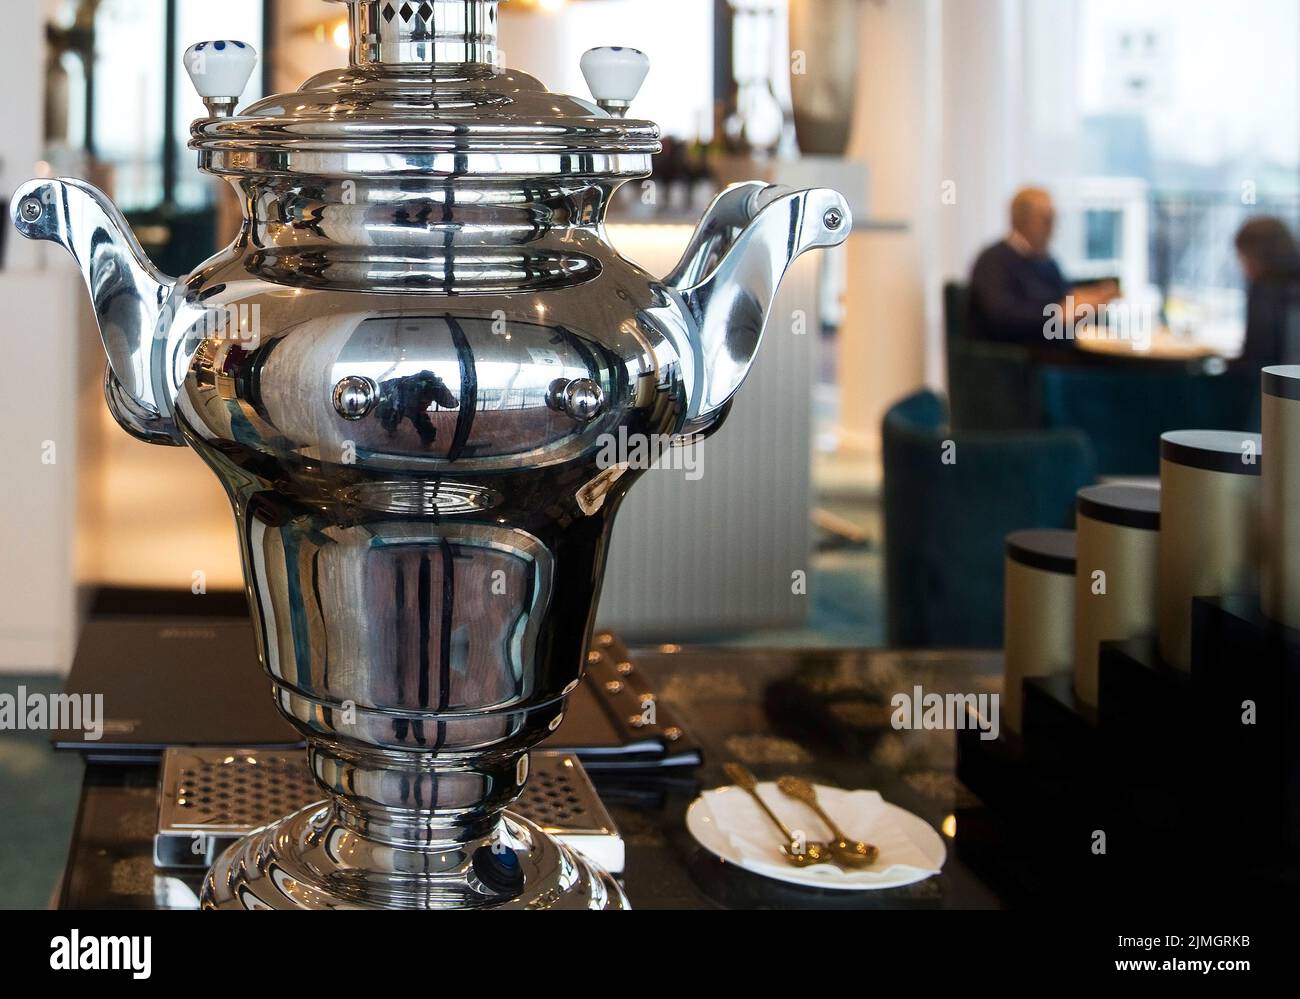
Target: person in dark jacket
(1015, 282)
(1270, 262)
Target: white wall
(980, 140)
(22, 77)
(883, 344)
(548, 45)
(679, 41)
(39, 311)
(38, 452)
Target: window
(1171, 124)
(1104, 233)
(677, 35)
(127, 125)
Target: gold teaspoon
(848, 852)
(812, 853)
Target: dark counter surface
(822, 714)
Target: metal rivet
(583, 399)
(32, 210)
(834, 218)
(355, 396)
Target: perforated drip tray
(208, 797)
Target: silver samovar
(404, 370)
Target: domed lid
(422, 95)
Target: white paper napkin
(861, 814)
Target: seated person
(1270, 262)
(1015, 281)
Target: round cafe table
(1164, 346)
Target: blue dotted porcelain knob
(219, 71)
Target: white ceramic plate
(705, 828)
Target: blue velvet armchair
(951, 497)
(1125, 409)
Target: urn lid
(423, 94)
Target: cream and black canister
(1115, 575)
(1209, 518)
(1039, 612)
(1279, 566)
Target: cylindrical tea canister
(1279, 564)
(1209, 512)
(1038, 623)
(1115, 573)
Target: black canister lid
(1282, 381)
(1049, 550)
(1124, 506)
(1213, 450)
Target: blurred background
(1157, 128)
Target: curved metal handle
(129, 296)
(731, 211)
(729, 276)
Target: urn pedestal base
(313, 860)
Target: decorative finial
(614, 75)
(219, 71)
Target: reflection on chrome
(410, 443)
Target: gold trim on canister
(1279, 564)
(1038, 622)
(1209, 512)
(1115, 577)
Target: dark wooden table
(823, 714)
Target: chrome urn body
(405, 371)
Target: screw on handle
(614, 74)
(219, 71)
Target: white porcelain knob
(614, 73)
(219, 71)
